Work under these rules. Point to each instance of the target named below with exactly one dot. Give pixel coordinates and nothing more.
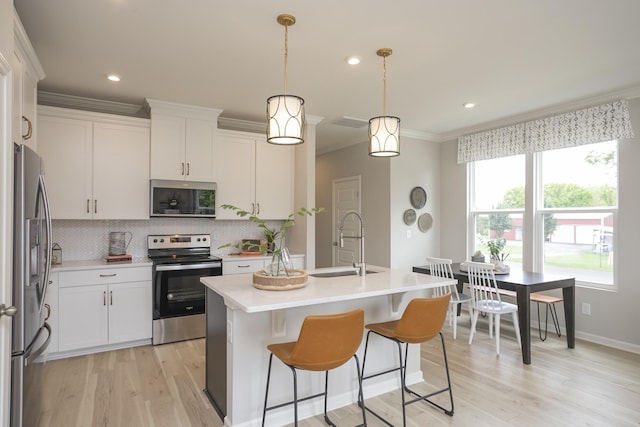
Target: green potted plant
(275, 238)
(495, 247)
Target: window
(497, 202)
(577, 210)
(572, 201)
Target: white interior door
(346, 197)
(6, 243)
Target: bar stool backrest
(422, 319)
(328, 341)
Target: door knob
(8, 311)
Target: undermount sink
(340, 273)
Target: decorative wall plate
(425, 221)
(409, 216)
(418, 197)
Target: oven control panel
(172, 241)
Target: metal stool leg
(554, 317)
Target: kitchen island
(243, 320)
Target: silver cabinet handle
(104, 298)
(95, 206)
(110, 297)
(188, 168)
(88, 201)
(7, 311)
(109, 275)
(182, 173)
(258, 208)
(244, 266)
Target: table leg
(524, 318)
(569, 297)
(460, 287)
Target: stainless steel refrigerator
(31, 267)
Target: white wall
(417, 165)
(614, 318)
(375, 172)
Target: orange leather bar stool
(325, 342)
(421, 321)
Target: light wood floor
(590, 385)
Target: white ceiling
(514, 58)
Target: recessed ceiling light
(113, 77)
(468, 105)
(353, 60)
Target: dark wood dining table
(524, 283)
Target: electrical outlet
(586, 308)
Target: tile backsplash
(89, 239)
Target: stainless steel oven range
(179, 260)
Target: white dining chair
(441, 267)
(486, 299)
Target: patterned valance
(588, 126)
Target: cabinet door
(130, 314)
(274, 180)
(120, 171)
(167, 147)
(235, 170)
(83, 317)
(66, 148)
(199, 148)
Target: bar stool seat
(325, 342)
(421, 321)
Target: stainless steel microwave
(182, 198)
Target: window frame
(533, 218)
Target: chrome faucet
(361, 266)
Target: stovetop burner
(180, 248)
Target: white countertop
(238, 290)
(100, 263)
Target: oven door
(177, 290)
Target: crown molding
(89, 104)
(22, 40)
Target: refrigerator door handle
(47, 218)
(31, 357)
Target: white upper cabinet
(254, 175)
(183, 140)
(96, 165)
(27, 71)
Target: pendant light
(286, 122)
(384, 131)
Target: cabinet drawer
(242, 266)
(103, 276)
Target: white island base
(243, 320)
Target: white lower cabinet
(104, 306)
(250, 265)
